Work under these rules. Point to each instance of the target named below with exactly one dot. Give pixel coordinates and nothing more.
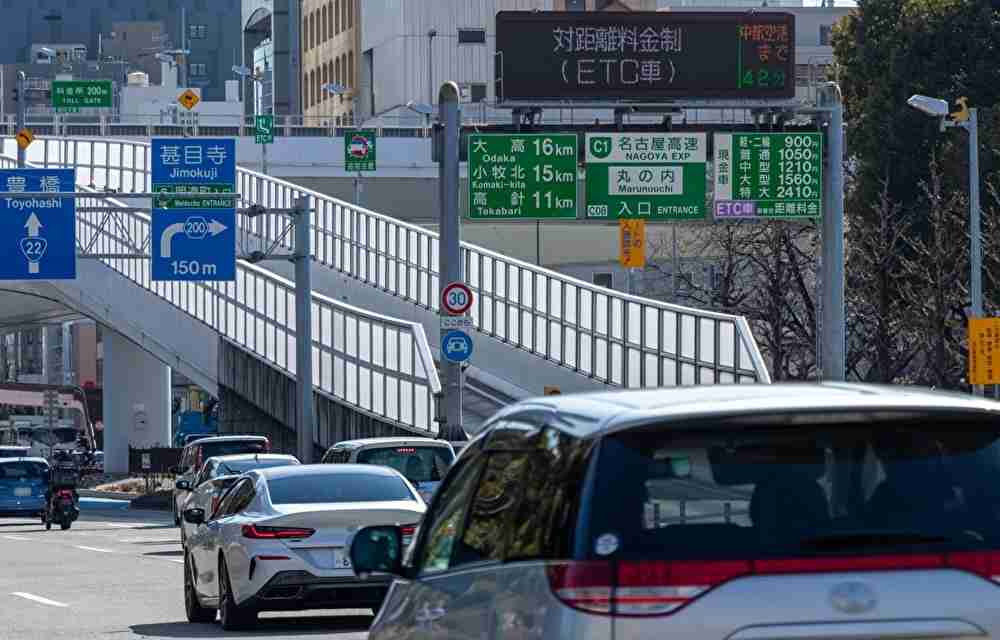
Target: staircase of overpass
(374, 306)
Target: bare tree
(879, 281)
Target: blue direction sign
(37, 232)
(194, 244)
(456, 346)
(194, 165)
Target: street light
(246, 73)
(967, 119)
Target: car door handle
(426, 615)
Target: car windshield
(802, 491)
(231, 448)
(23, 469)
(337, 487)
(236, 467)
(417, 464)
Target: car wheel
(192, 606)
(232, 615)
(65, 524)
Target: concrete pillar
(136, 396)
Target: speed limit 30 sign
(456, 298)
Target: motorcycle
(61, 509)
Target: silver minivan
(753, 512)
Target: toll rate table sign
(768, 175)
(522, 176)
(646, 175)
(37, 232)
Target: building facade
(330, 45)
(209, 29)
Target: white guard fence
(378, 365)
(615, 338)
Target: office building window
(576, 5)
(198, 69)
(477, 92)
(825, 33)
(198, 31)
(337, 16)
(606, 280)
(472, 36)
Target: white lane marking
(150, 541)
(38, 599)
(18, 538)
(179, 560)
(122, 525)
(97, 549)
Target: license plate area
(22, 492)
(341, 559)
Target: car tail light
(261, 533)
(407, 531)
(267, 445)
(215, 503)
(652, 588)
(65, 493)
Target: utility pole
(22, 100)
(450, 254)
(430, 71)
(975, 226)
(305, 427)
(833, 331)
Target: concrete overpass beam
(136, 401)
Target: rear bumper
(297, 590)
(28, 506)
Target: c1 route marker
(456, 298)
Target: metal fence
(612, 337)
(376, 364)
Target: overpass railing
(376, 364)
(603, 334)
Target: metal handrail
(376, 364)
(612, 337)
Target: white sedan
(278, 541)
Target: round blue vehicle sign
(456, 346)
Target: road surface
(117, 574)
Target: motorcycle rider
(63, 473)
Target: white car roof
(237, 457)
(592, 414)
(397, 442)
(225, 439)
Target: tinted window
(807, 490)
(337, 487)
(13, 452)
(417, 464)
(22, 469)
(236, 467)
(230, 448)
(442, 526)
(230, 499)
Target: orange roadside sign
(25, 138)
(632, 243)
(984, 350)
(188, 99)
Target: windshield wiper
(876, 538)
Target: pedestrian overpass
(374, 317)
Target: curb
(108, 495)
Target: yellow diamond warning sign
(25, 138)
(188, 99)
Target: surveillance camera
(931, 106)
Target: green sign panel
(166, 201)
(768, 175)
(656, 176)
(263, 129)
(81, 93)
(359, 151)
(522, 175)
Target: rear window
(232, 447)
(810, 490)
(236, 467)
(337, 487)
(13, 452)
(417, 464)
(22, 469)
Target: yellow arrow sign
(25, 138)
(188, 99)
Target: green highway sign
(768, 175)
(522, 175)
(81, 93)
(263, 129)
(359, 151)
(166, 201)
(657, 176)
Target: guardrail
(376, 364)
(603, 334)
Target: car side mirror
(194, 516)
(377, 550)
(183, 485)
